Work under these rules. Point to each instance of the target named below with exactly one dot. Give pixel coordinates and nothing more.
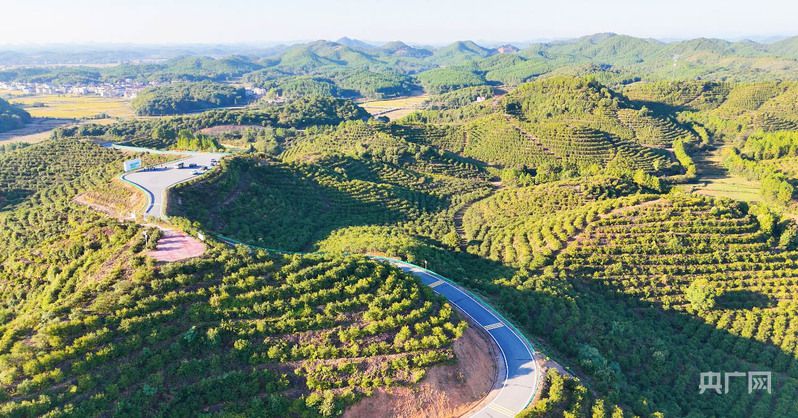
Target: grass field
(716, 181)
(74, 107)
(394, 108)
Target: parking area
(156, 180)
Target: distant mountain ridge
(366, 69)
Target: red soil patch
(176, 246)
(446, 391)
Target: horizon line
(759, 39)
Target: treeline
(766, 146)
(185, 68)
(337, 82)
(686, 161)
(13, 146)
(162, 133)
(296, 87)
(177, 98)
(775, 187)
(753, 161)
(442, 80)
(189, 141)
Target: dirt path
(446, 391)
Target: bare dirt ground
(119, 204)
(450, 390)
(175, 246)
(85, 200)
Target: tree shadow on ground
(744, 299)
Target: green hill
(442, 80)
(354, 175)
(305, 58)
(206, 68)
(92, 326)
(401, 49)
(12, 117)
(787, 48)
(712, 59)
(178, 98)
(460, 52)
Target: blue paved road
(521, 378)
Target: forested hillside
(12, 117)
(309, 111)
(186, 98)
(92, 326)
(560, 203)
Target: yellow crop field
(394, 108)
(74, 107)
(9, 93)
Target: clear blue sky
(419, 21)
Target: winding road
(154, 181)
(519, 376)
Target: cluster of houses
(124, 88)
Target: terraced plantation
(355, 175)
(560, 212)
(527, 226)
(111, 332)
(272, 329)
(686, 239)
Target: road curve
(521, 376)
(156, 180)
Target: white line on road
(493, 326)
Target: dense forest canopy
(177, 98)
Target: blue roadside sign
(132, 164)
